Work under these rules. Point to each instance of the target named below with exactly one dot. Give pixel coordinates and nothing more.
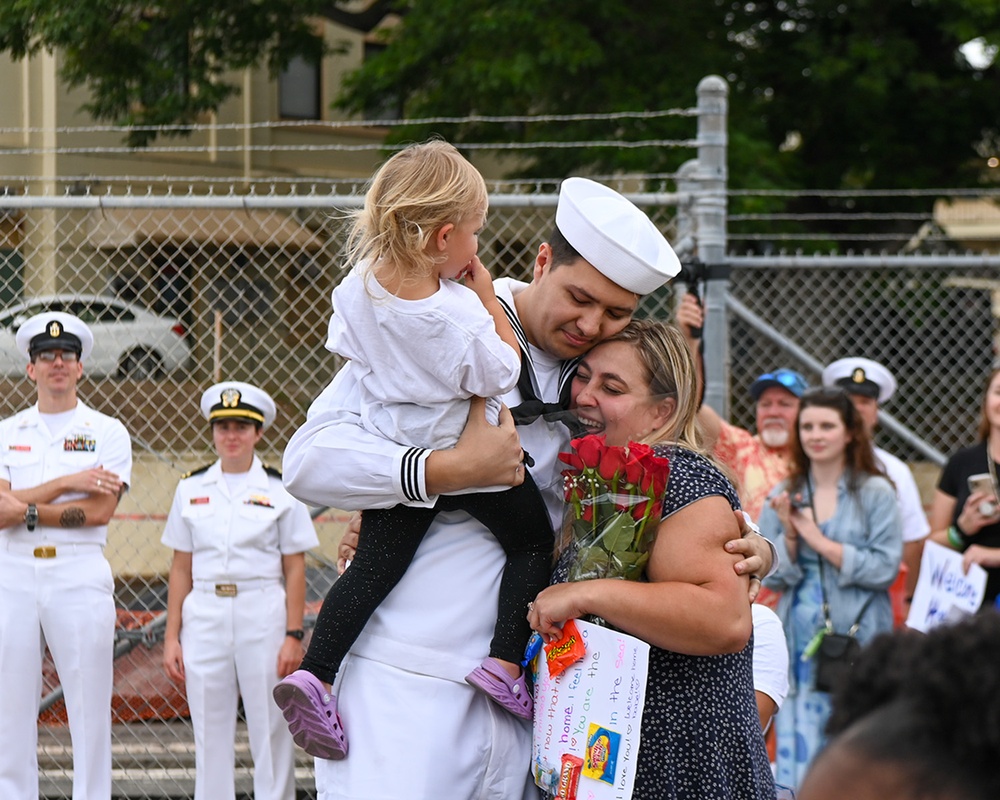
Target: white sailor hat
(615, 236)
(54, 330)
(861, 376)
(236, 400)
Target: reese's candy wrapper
(566, 650)
(569, 776)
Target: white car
(129, 340)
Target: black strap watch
(296, 634)
(31, 516)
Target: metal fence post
(710, 224)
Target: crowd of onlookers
(413, 686)
(847, 517)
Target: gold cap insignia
(230, 398)
(55, 329)
(858, 375)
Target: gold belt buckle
(45, 551)
(225, 589)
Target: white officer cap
(55, 330)
(615, 236)
(861, 376)
(236, 400)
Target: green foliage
(158, 63)
(877, 89)
(875, 92)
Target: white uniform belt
(224, 588)
(52, 549)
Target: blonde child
(422, 345)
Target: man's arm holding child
(333, 461)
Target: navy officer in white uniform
(417, 729)
(870, 385)
(68, 465)
(236, 597)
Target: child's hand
(478, 278)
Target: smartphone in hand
(983, 484)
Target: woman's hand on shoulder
(756, 551)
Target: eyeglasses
(49, 356)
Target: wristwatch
(296, 634)
(31, 516)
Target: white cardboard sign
(944, 592)
(593, 711)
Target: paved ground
(152, 761)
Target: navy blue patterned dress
(701, 736)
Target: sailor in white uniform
(236, 597)
(417, 729)
(69, 465)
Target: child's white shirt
(420, 361)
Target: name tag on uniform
(19, 448)
(81, 443)
(199, 501)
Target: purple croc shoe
(311, 713)
(512, 693)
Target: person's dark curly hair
(928, 704)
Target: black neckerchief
(531, 407)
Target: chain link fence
(186, 289)
(179, 294)
(930, 325)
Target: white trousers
(419, 737)
(230, 647)
(66, 602)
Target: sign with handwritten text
(587, 718)
(944, 591)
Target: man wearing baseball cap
(759, 461)
(68, 466)
(586, 283)
(869, 385)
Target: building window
(299, 90)
(390, 108)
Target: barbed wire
(326, 148)
(977, 192)
(95, 179)
(846, 216)
(349, 124)
(822, 236)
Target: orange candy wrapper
(569, 777)
(565, 651)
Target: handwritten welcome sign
(944, 592)
(587, 719)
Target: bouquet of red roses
(614, 496)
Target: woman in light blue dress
(835, 520)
